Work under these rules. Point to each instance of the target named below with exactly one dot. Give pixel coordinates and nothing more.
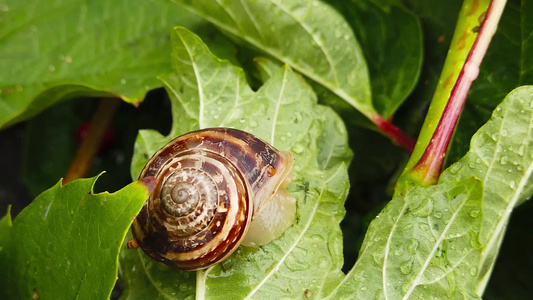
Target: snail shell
(211, 184)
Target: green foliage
(287, 118)
(65, 50)
(286, 72)
(65, 244)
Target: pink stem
(394, 133)
(431, 162)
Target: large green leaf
(56, 50)
(309, 36)
(207, 92)
(420, 246)
(441, 241)
(501, 155)
(66, 243)
(391, 39)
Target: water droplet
(352, 78)
(423, 226)
(317, 238)
(521, 150)
(455, 168)
(503, 160)
(478, 160)
(242, 120)
(183, 287)
(474, 213)
(413, 246)
(473, 271)
(253, 124)
(406, 267)
(297, 118)
(297, 148)
(498, 108)
(377, 256)
(504, 132)
(399, 252)
(437, 215)
(338, 33)
(51, 68)
(122, 81)
(407, 226)
(346, 37)
(216, 117)
(424, 209)
(512, 184)
(495, 136)
(283, 139)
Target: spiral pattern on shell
(202, 205)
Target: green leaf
(307, 258)
(501, 155)
(420, 246)
(311, 37)
(391, 38)
(52, 51)
(65, 244)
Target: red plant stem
(430, 164)
(89, 147)
(394, 133)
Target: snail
(215, 189)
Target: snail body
(212, 186)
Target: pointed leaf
(311, 37)
(51, 51)
(65, 244)
(422, 245)
(501, 155)
(391, 39)
(207, 92)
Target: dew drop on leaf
(503, 160)
(473, 271)
(377, 256)
(521, 150)
(406, 267)
(474, 213)
(455, 168)
(413, 246)
(512, 184)
(504, 132)
(399, 252)
(407, 226)
(423, 226)
(297, 148)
